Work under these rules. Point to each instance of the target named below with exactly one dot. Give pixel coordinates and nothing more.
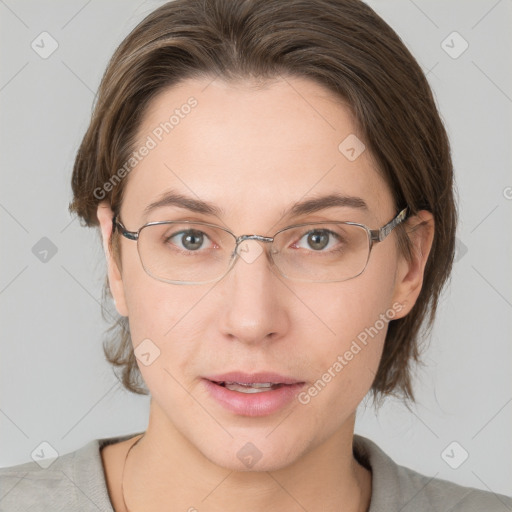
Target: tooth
(253, 384)
(257, 387)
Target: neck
(164, 468)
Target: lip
(253, 404)
(253, 378)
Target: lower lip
(253, 404)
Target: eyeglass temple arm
(380, 234)
(131, 235)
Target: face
(253, 153)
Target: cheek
(167, 322)
(154, 307)
(355, 315)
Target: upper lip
(253, 378)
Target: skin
(254, 151)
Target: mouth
(254, 387)
(252, 382)
(252, 394)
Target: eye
(189, 240)
(318, 240)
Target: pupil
(318, 240)
(192, 240)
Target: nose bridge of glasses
(261, 238)
(250, 252)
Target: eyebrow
(173, 198)
(323, 202)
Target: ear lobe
(115, 280)
(409, 275)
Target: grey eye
(190, 240)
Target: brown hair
(341, 44)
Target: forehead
(253, 150)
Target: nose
(254, 302)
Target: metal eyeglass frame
(374, 236)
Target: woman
(274, 189)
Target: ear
(409, 274)
(115, 280)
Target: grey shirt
(76, 482)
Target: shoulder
(71, 482)
(396, 487)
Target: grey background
(56, 385)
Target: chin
(255, 454)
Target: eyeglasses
(189, 252)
